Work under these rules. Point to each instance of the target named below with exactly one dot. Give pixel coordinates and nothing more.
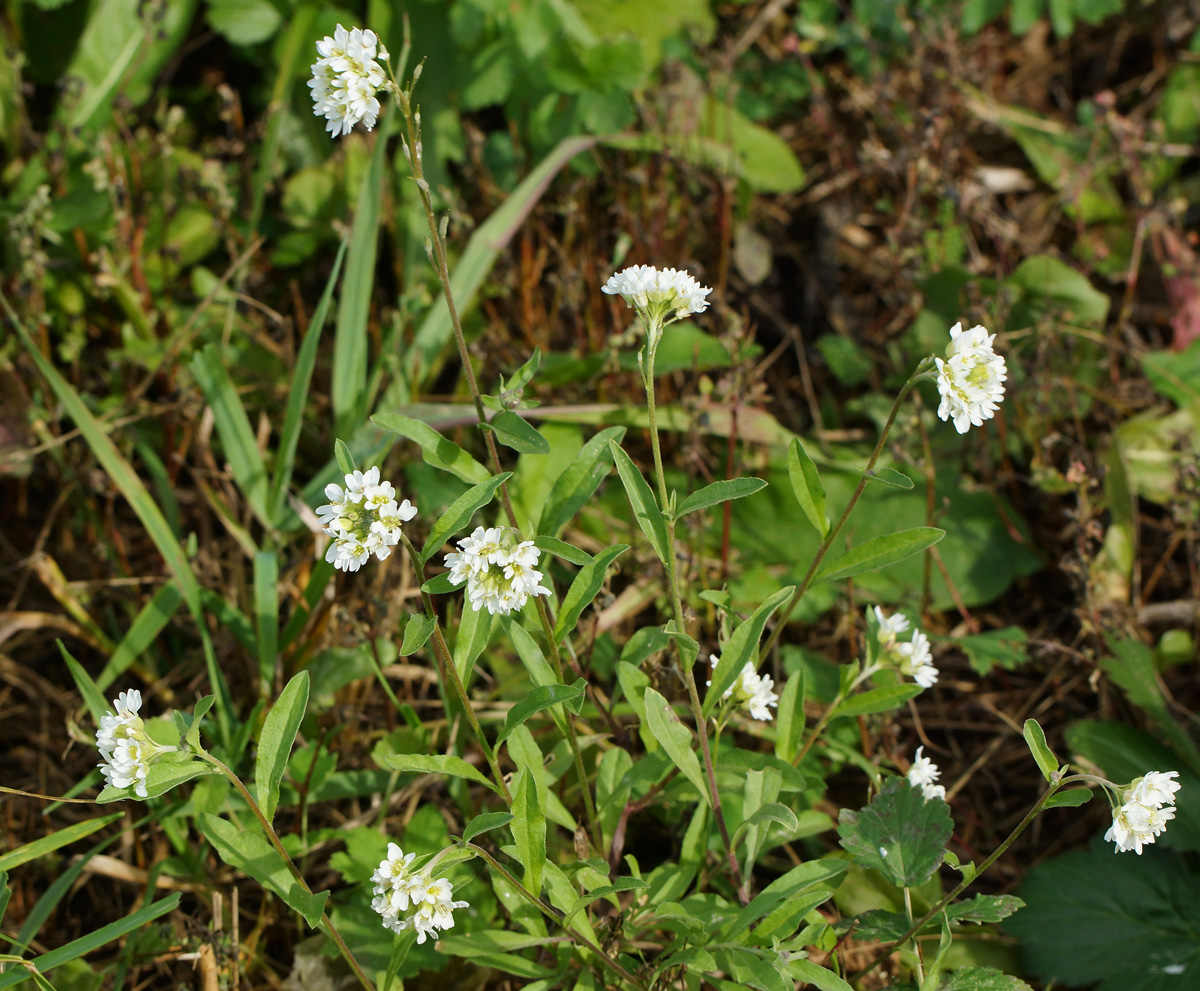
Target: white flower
(970, 378)
(658, 294)
(750, 690)
(363, 519)
(890, 627)
(125, 746)
(434, 907)
(499, 569)
(398, 890)
(923, 774)
(346, 78)
(1147, 806)
(916, 660)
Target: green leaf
(578, 481)
(584, 588)
(789, 726)
(516, 432)
(882, 699)
(348, 389)
(890, 477)
(675, 739)
(266, 613)
(560, 548)
(806, 484)
(417, 631)
(983, 979)
(742, 649)
(1046, 761)
(460, 512)
(493, 948)
(275, 742)
(900, 834)
(595, 894)
(529, 830)
(198, 714)
(160, 779)
(54, 841)
(474, 631)
(879, 552)
(437, 449)
(440, 585)
(774, 812)
(1070, 799)
(1134, 667)
(810, 876)
(437, 764)
(147, 625)
(1130, 923)
(93, 941)
(717, 492)
(233, 427)
(641, 499)
(248, 851)
(984, 908)
(92, 698)
(541, 698)
(996, 648)
(345, 460)
(244, 22)
(485, 822)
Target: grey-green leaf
(437, 449)
(516, 432)
(560, 548)
(417, 631)
(460, 512)
(879, 552)
(645, 507)
(275, 742)
(806, 484)
(675, 739)
(541, 698)
(584, 589)
(482, 823)
(578, 481)
(160, 779)
(717, 492)
(529, 830)
(437, 764)
(901, 834)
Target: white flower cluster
(923, 774)
(912, 658)
(658, 293)
(1148, 804)
(125, 746)
(398, 890)
(970, 378)
(499, 568)
(362, 519)
(752, 691)
(346, 78)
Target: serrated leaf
(541, 698)
(249, 852)
(900, 834)
(984, 908)
(482, 823)
(160, 779)
(645, 507)
(437, 450)
(518, 433)
(879, 552)
(675, 739)
(1036, 740)
(417, 631)
(741, 649)
(882, 699)
(578, 481)
(460, 512)
(806, 484)
(275, 742)
(560, 548)
(983, 979)
(584, 589)
(437, 764)
(718, 492)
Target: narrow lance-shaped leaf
(717, 492)
(275, 742)
(806, 484)
(485, 822)
(266, 610)
(578, 481)
(144, 630)
(879, 552)
(560, 548)
(742, 648)
(460, 512)
(516, 432)
(92, 698)
(882, 699)
(1046, 761)
(584, 588)
(416, 632)
(60, 838)
(437, 450)
(539, 699)
(645, 506)
(529, 830)
(437, 764)
(675, 739)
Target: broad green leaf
(882, 699)
(441, 585)
(983, 979)
(774, 812)
(583, 590)
(560, 548)
(92, 698)
(437, 449)
(595, 894)
(821, 978)
(717, 492)
(579, 480)
(495, 948)
(675, 739)
(275, 742)
(1070, 799)
(1046, 761)
(1130, 923)
(348, 389)
(417, 631)
(93, 941)
(742, 649)
(266, 613)
(147, 625)
(474, 631)
(54, 841)
(529, 830)
(244, 22)
(233, 427)
(889, 476)
(437, 764)
(541, 698)
(460, 512)
(344, 457)
(1132, 665)
(485, 822)
(248, 851)
(518, 433)
(160, 779)
(645, 506)
(806, 484)
(900, 834)
(752, 970)
(789, 725)
(879, 552)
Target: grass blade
(60, 838)
(266, 609)
(146, 627)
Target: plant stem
(449, 669)
(920, 373)
(554, 916)
(677, 606)
(326, 924)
